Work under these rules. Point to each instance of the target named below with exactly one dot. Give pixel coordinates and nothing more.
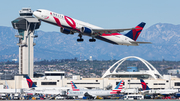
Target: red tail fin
(134, 34)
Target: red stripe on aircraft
(70, 22)
(75, 89)
(114, 92)
(110, 34)
(57, 21)
(47, 17)
(117, 90)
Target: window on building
(118, 82)
(48, 83)
(177, 84)
(136, 83)
(159, 83)
(84, 83)
(35, 83)
(54, 74)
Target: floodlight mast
(26, 24)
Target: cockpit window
(38, 10)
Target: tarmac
(101, 100)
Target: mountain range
(165, 40)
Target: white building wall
(24, 55)
(21, 82)
(174, 71)
(31, 55)
(24, 66)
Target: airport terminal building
(108, 81)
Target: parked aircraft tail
(144, 85)
(74, 88)
(7, 87)
(30, 82)
(134, 34)
(118, 88)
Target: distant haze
(165, 40)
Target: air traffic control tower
(26, 24)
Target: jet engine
(86, 30)
(66, 31)
(88, 95)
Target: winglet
(144, 85)
(74, 88)
(134, 33)
(30, 82)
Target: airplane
(80, 93)
(7, 90)
(43, 90)
(70, 25)
(163, 92)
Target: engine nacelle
(66, 31)
(86, 30)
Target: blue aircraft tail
(30, 82)
(134, 34)
(144, 85)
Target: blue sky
(102, 13)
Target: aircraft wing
(109, 31)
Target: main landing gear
(81, 39)
(92, 40)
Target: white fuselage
(46, 90)
(134, 97)
(164, 91)
(9, 90)
(75, 25)
(93, 93)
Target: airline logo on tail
(134, 34)
(7, 87)
(144, 86)
(30, 82)
(74, 88)
(118, 88)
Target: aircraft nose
(35, 13)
